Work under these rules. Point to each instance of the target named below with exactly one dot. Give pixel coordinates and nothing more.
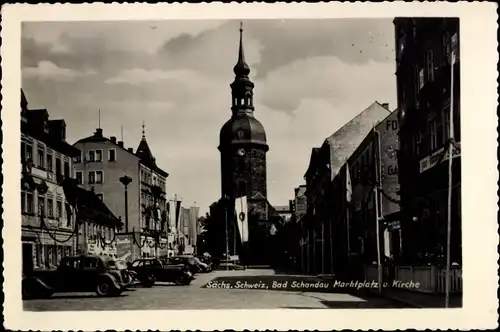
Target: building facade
(48, 219)
(424, 50)
(325, 223)
(105, 166)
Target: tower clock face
(241, 152)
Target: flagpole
(450, 177)
(348, 221)
(227, 240)
(378, 210)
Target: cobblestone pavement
(195, 296)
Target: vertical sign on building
(388, 130)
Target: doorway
(27, 257)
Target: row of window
(363, 168)
(96, 156)
(45, 206)
(436, 134)
(45, 159)
(46, 256)
(425, 73)
(151, 179)
(93, 177)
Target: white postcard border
(479, 58)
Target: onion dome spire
(241, 69)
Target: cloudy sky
(311, 77)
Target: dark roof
(144, 153)
(312, 161)
(242, 129)
(35, 130)
(88, 205)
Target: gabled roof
(88, 205)
(144, 153)
(312, 160)
(346, 140)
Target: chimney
(120, 144)
(131, 150)
(386, 106)
(98, 132)
(113, 139)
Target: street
(196, 296)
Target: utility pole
(454, 46)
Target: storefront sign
(432, 160)
(388, 130)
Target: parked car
(190, 261)
(150, 270)
(85, 273)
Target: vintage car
(150, 270)
(85, 273)
(193, 262)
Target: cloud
(310, 81)
(140, 76)
(49, 71)
(328, 79)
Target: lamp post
(126, 180)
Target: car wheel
(105, 288)
(31, 289)
(149, 281)
(182, 281)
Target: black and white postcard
(250, 166)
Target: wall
(112, 189)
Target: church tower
(243, 144)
